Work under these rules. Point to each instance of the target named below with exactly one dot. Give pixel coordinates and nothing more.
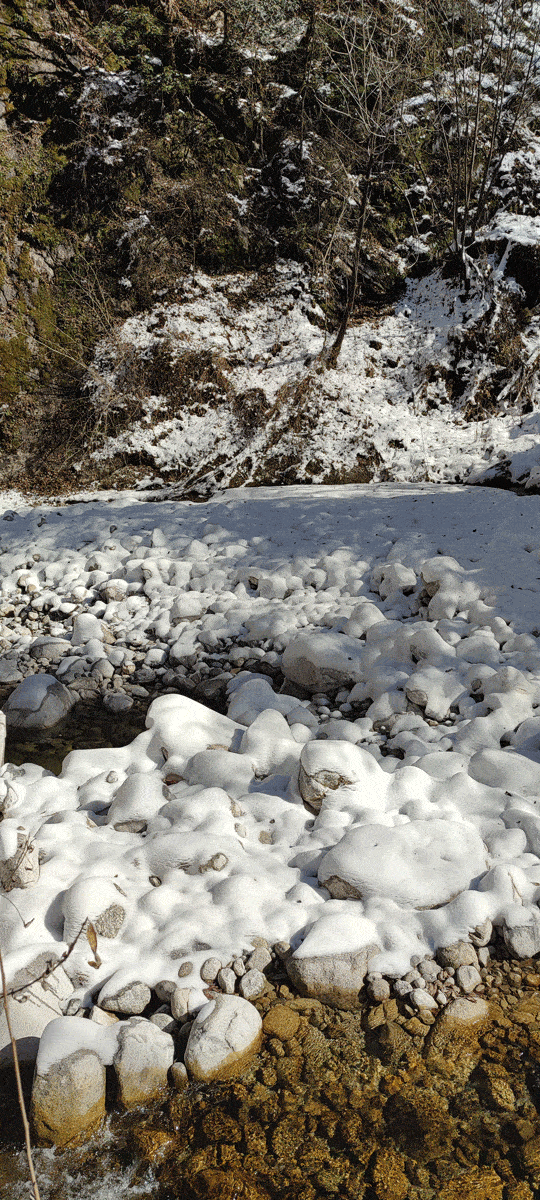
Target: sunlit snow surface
(390, 400)
(435, 842)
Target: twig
(22, 1106)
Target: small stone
(185, 969)
(179, 1002)
(429, 970)
(252, 984)
(378, 990)
(422, 999)
(179, 1077)
(239, 967)
(164, 990)
(226, 979)
(460, 954)
(209, 969)
(402, 988)
(117, 702)
(468, 978)
(259, 959)
(164, 1021)
(100, 1017)
(131, 999)
(110, 921)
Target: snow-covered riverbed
(417, 604)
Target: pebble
(226, 979)
(468, 978)
(252, 984)
(209, 969)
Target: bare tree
(369, 72)
(479, 97)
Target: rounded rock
(224, 1037)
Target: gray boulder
(224, 1037)
(68, 1100)
(145, 1053)
(39, 702)
(334, 979)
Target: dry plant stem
(22, 1106)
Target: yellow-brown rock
(389, 1179)
(68, 1102)
(474, 1184)
(281, 1022)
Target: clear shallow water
(339, 1111)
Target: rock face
(334, 979)
(142, 1061)
(39, 702)
(68, 1102)
(32, 1010)
(224, 1037)
(322, 660)
(422, 864)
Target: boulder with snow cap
(68, 1092)
(68, 1102)
(323, 659)
(19, 856)
(182, 726)
(269, 744)
(508, 770)
(39, 702)
(224, 1037)
(141, 1062)
(96, 899)
(327, 765)
(334, 979)
(31, 1009)
(389, 579)
(421, 864)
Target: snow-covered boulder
(422, 864)
(39, 702)
(323, 659)
(19, 856)
(224, 1037)
(68, 1092)
(145, 1053)
(31, 1010)
(327, 765)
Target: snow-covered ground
(405, 619)
(245, 396)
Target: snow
(67, 1035)
(436, 590)
(388, 408)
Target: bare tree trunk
(352, 289)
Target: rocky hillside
(194, 203)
